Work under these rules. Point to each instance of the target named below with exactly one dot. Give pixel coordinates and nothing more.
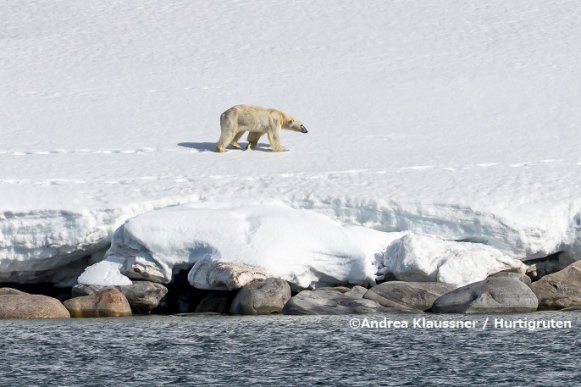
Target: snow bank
(302, 247)
(417, 258)
(36, 247)
(55, 246)
(229, 247)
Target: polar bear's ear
(291, 121)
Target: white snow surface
(105, 273)
(420, 258)
(305, 248)
(454, 119)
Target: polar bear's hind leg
(253, 138)
(225, 139)
(234, 142)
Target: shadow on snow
(211, 146)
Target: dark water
(281, 350)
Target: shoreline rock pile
(504, 292)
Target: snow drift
(417, 258)
(302, 247)
(307, 249)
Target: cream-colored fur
(258, 121)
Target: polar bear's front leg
(274, 139)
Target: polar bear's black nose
(303, 129)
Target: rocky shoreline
(504, 292)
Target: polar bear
(256, 120)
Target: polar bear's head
(292, 123)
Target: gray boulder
(329, 302)
(261, 297)
(400, 294)
(561, 289)
(16, 304)
(519, 276)
(340, 289)
(356, 292)
(143, 296)
(493, 295)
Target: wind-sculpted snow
(456, 120)
(300, 246)
(307, 249)
(48, 246)
(69, 237)
(46, 242)
(416, 258)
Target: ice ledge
(35, 245)
(303, 247)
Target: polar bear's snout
(303, 129)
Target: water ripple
(273, 350)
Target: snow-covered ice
(451, 119)
(303, 247)
(417, 258)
